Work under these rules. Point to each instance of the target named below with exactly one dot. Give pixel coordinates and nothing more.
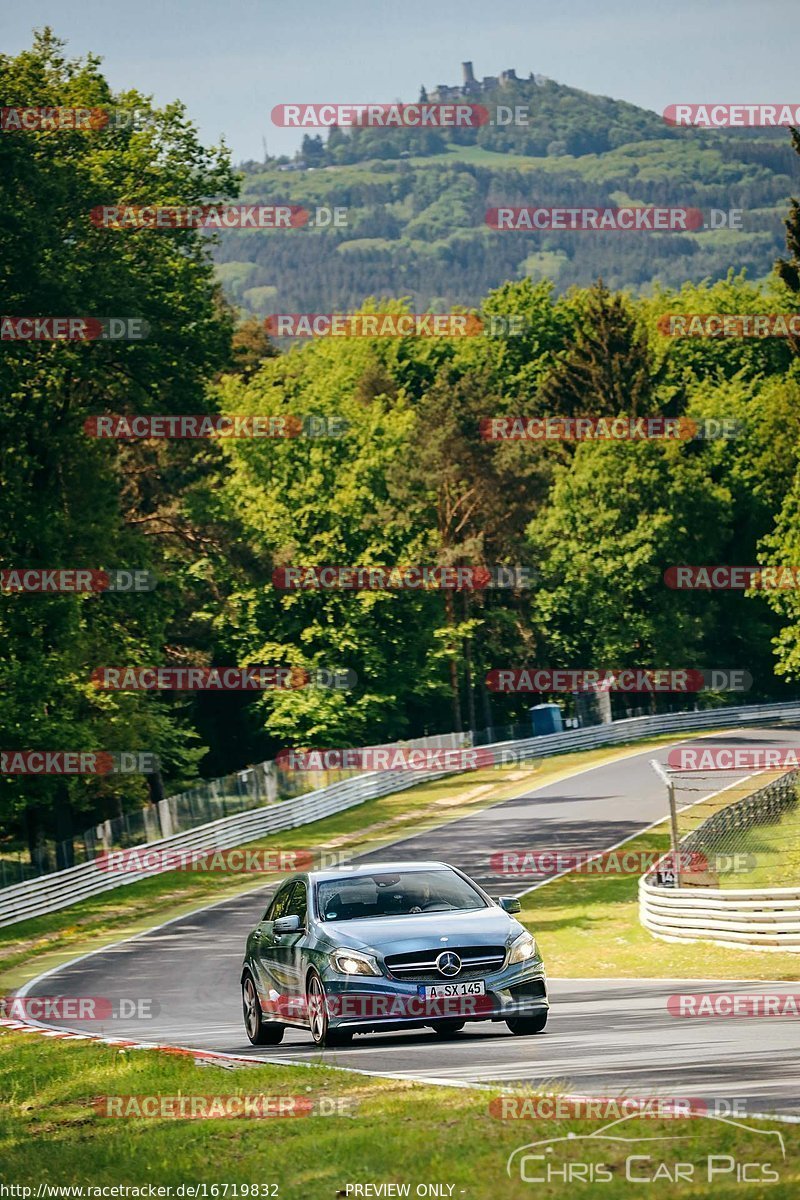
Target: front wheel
(318, 1022)
(259, 1031)
(522, 1026)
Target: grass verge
(52, 1131)
(776, 851)
(588, 927)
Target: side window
(279, 901)
(297, 903)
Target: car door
(263, 947)
(287, 950)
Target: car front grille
(476, 961)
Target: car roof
(356, 870)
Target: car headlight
(522, 948)
(353, 962)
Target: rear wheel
(526, 1025)
(318, 1022)
(259, 1031)
(447, 1028)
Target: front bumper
(380, 1002)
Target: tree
(312, 149)
(619, 516)
(788, 269)
(70, 500)
(608, 370)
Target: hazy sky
(231, 62)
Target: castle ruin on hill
(478, 87)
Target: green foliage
(67, 500)
(411, 479)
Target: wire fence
(263, 784)
(746, 835)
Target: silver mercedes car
(389, 946)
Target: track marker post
(673, 817)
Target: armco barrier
(62, 888)
(748, 919)
(745, 918)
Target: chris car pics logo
(592, 1158)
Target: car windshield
(396, 893)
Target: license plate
(440, 991)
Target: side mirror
(509, 904)
(286, 925)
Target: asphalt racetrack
(603, 1037)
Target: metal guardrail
(63, 888)
(746, 918)
(206, 801)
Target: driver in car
(421, 900)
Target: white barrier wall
(755, 919)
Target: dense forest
(409, 479)
(416, 203)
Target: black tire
(259, 1031)
(317, 1008)
(448, 1028)
(523, 1026)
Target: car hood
(392, 935)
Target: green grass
(588, 927)
(543, 264)
(52, 1132)
(777, 851)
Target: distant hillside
(417, 201)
